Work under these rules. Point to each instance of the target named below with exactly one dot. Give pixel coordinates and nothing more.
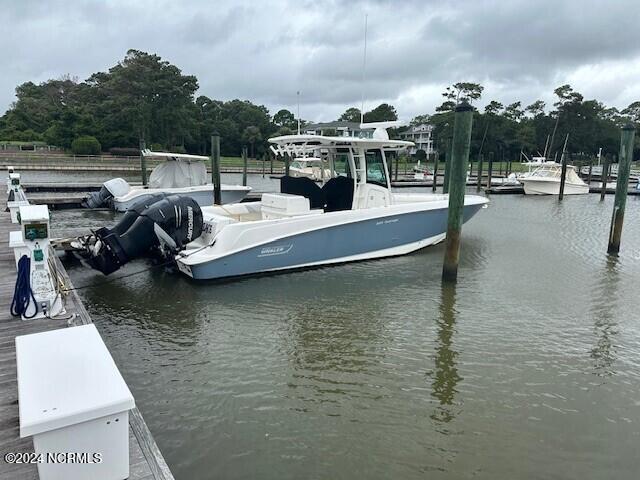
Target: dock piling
(447, 168)
(458, 163)
(245, 161)
(604, 174)
(215, 168)
(479, 185)
(143, 163)
(434, 185)
(590, 171)
(490, 170)
(287, 161)
(563, 177)
(622, 183)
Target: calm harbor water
(529, 368)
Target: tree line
(513, 130)
(144, 97)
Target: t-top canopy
(299, 144)
(170, 156)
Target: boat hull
(372, 238)
(544, 187)
(202, 195)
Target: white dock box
(74, 403)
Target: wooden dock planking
(145, 460)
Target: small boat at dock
(545, 180)
(179, 174)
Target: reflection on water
(604, 309)
(445, 375)
(532, 360)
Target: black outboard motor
(112, 188)
(169, 224)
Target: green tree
(86, 145)
(633, 112)
(284, 118)
(382, 113)
(513, 111)
(251, 135)
(536, 108)
(421, 119)
(351, 115)
(460, 91)
(493, 107)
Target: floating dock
(145, 460)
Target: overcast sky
(266, 51)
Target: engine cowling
(170, 223)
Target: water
(529, 368)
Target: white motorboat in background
(179, 174)
(545, 180)
(421, 172)
(309, 167)
(532, 165)
(354, 216)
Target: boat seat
(338, 194)
(305, 187)
(334, 196)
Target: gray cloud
(266, 51)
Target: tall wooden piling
(287, 161)
(447, 169)
(459, 160)
(622, 185)
(490, 170)
(215, 168)
(270, 164)
(479, 185)
(590, 171)
(563, 176)
(434, 185)
(563, 171)
(604, 174)
(264, 163)
(143, 162)
(245, 161)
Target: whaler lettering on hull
(276, 250)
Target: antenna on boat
(298, 94)
(364, 66)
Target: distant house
(422, 136)
(338, 128)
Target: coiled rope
(22, 294)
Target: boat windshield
(375, 168)
(341, 163)
(548, 172)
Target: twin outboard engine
(160, 224)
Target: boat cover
(178, 173)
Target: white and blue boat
(353, 216)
